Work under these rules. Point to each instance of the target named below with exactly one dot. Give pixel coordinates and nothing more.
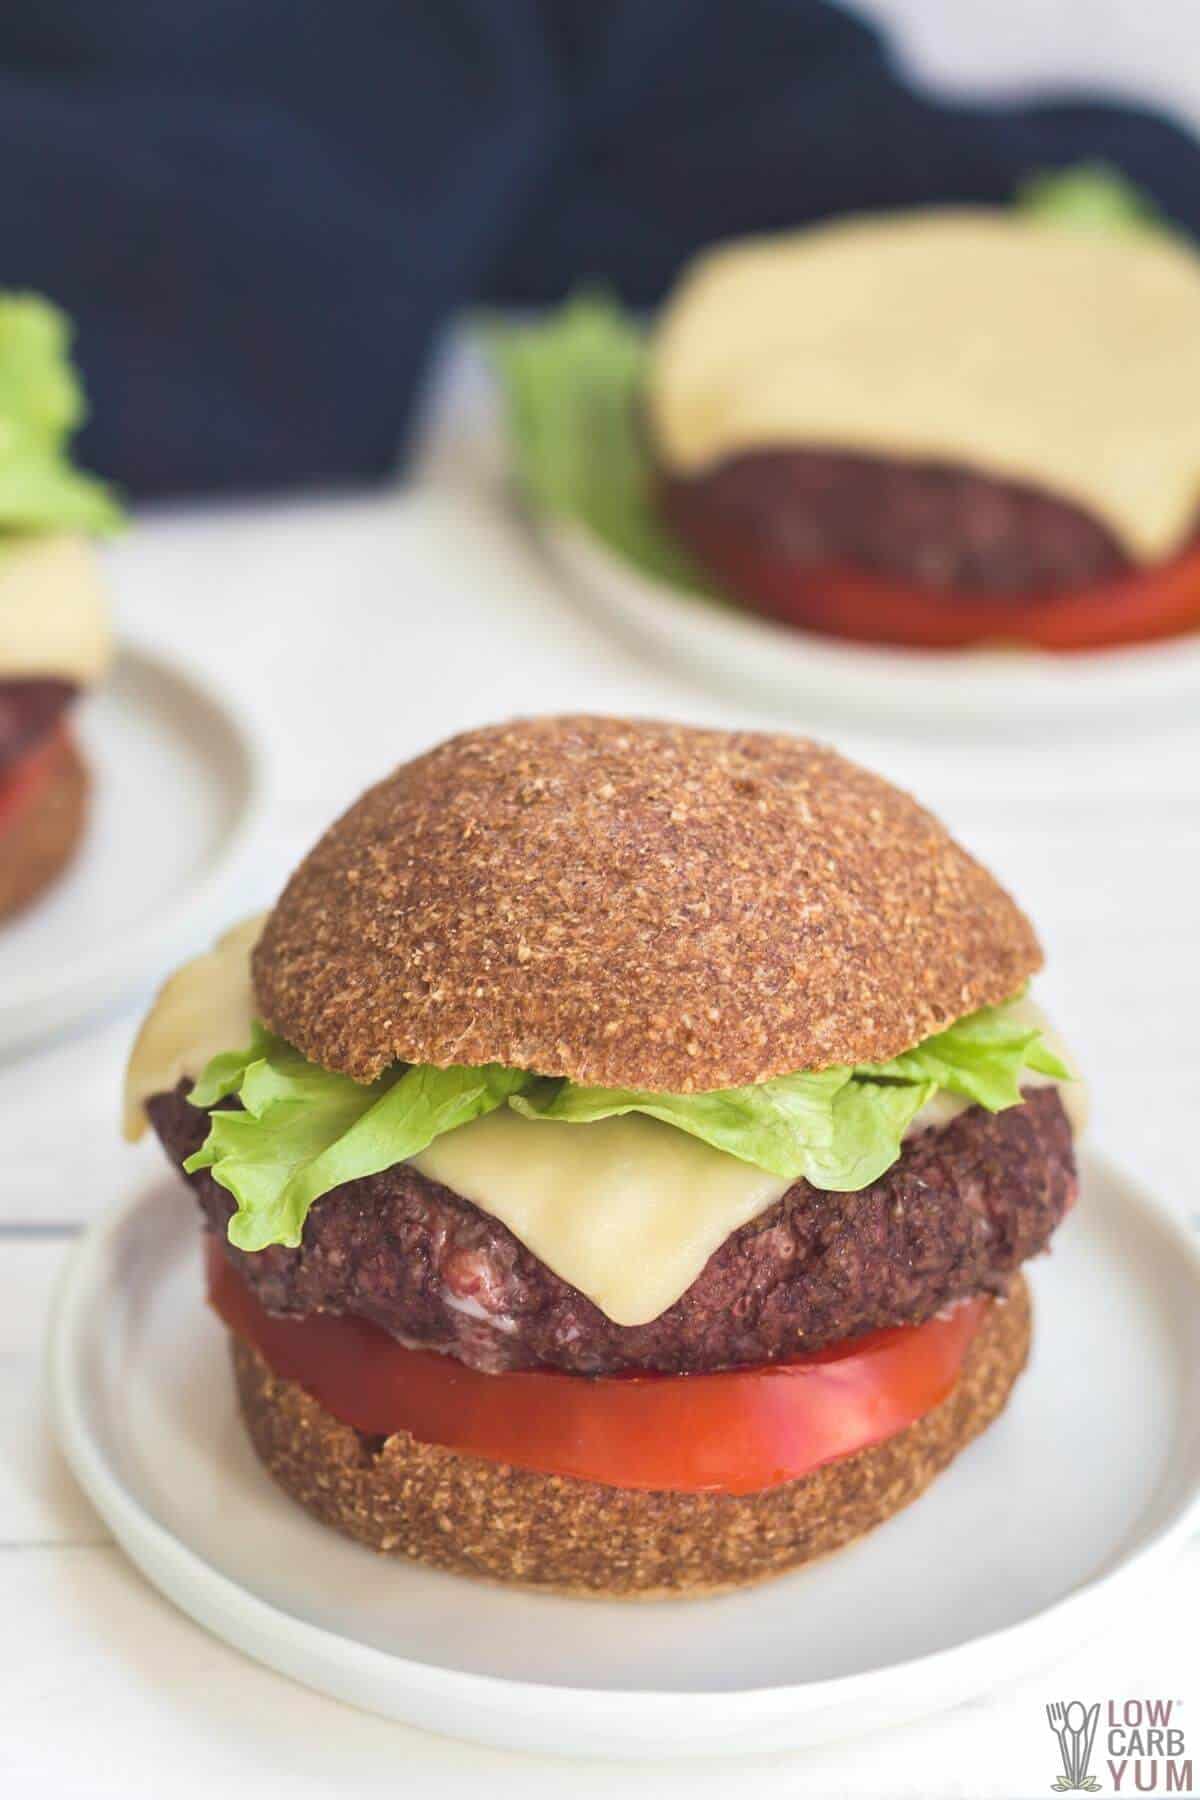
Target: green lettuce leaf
(834, 1130)
(980, 1058)
(41, 405)
(1090, 196)
(302, 1130)
(571, 384)
(769, 1125)
(869, 1122)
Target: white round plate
(177, 784)
(1038, 1532)
(778, 666)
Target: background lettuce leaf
(41, 405)
(1090, 196)
(571, 383)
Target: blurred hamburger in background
(938, 428)
(54, 633)
(618, 1149)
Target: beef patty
(40, 838)
(30, 708)
(937, 525)
(959, 1212)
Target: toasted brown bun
(41, 840)
(482, 1518)
(635, 905)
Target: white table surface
(365, 628)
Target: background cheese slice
(53, 614)
(1063, 358)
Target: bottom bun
(554, 1532)
(41, 840)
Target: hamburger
(618, 1151)
(940, 426)
(54, 634)
(937, 428)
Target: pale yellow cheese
(627, 1210)
(207, 1006)
(1067, 359)
(53, 615)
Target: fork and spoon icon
(1075, 1727)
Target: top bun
(633, 904)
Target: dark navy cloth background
(259, 211)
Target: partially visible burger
(54, 634)
(618, 1151)
(939, 427)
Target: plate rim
(262, 1629)
(974, 685)
(97, 974)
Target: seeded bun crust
(552, 1532)
(633, 904)
(37, 846)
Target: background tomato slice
(737, 1431)
(1140, 607)
(24, 779)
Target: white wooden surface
(365, 628)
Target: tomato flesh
(24, 779)
(1135, 608)
(736, 1431)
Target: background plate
(1041, 1529)
(177, 780)
(980, 691)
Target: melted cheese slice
(53, 615)
(1066, 359)
(627, 1210)
(207, 1006)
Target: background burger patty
(29, 710)
(956, 1215)
(938, 525)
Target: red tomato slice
(1136, 608)
(24, 779)
(735, 1432)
